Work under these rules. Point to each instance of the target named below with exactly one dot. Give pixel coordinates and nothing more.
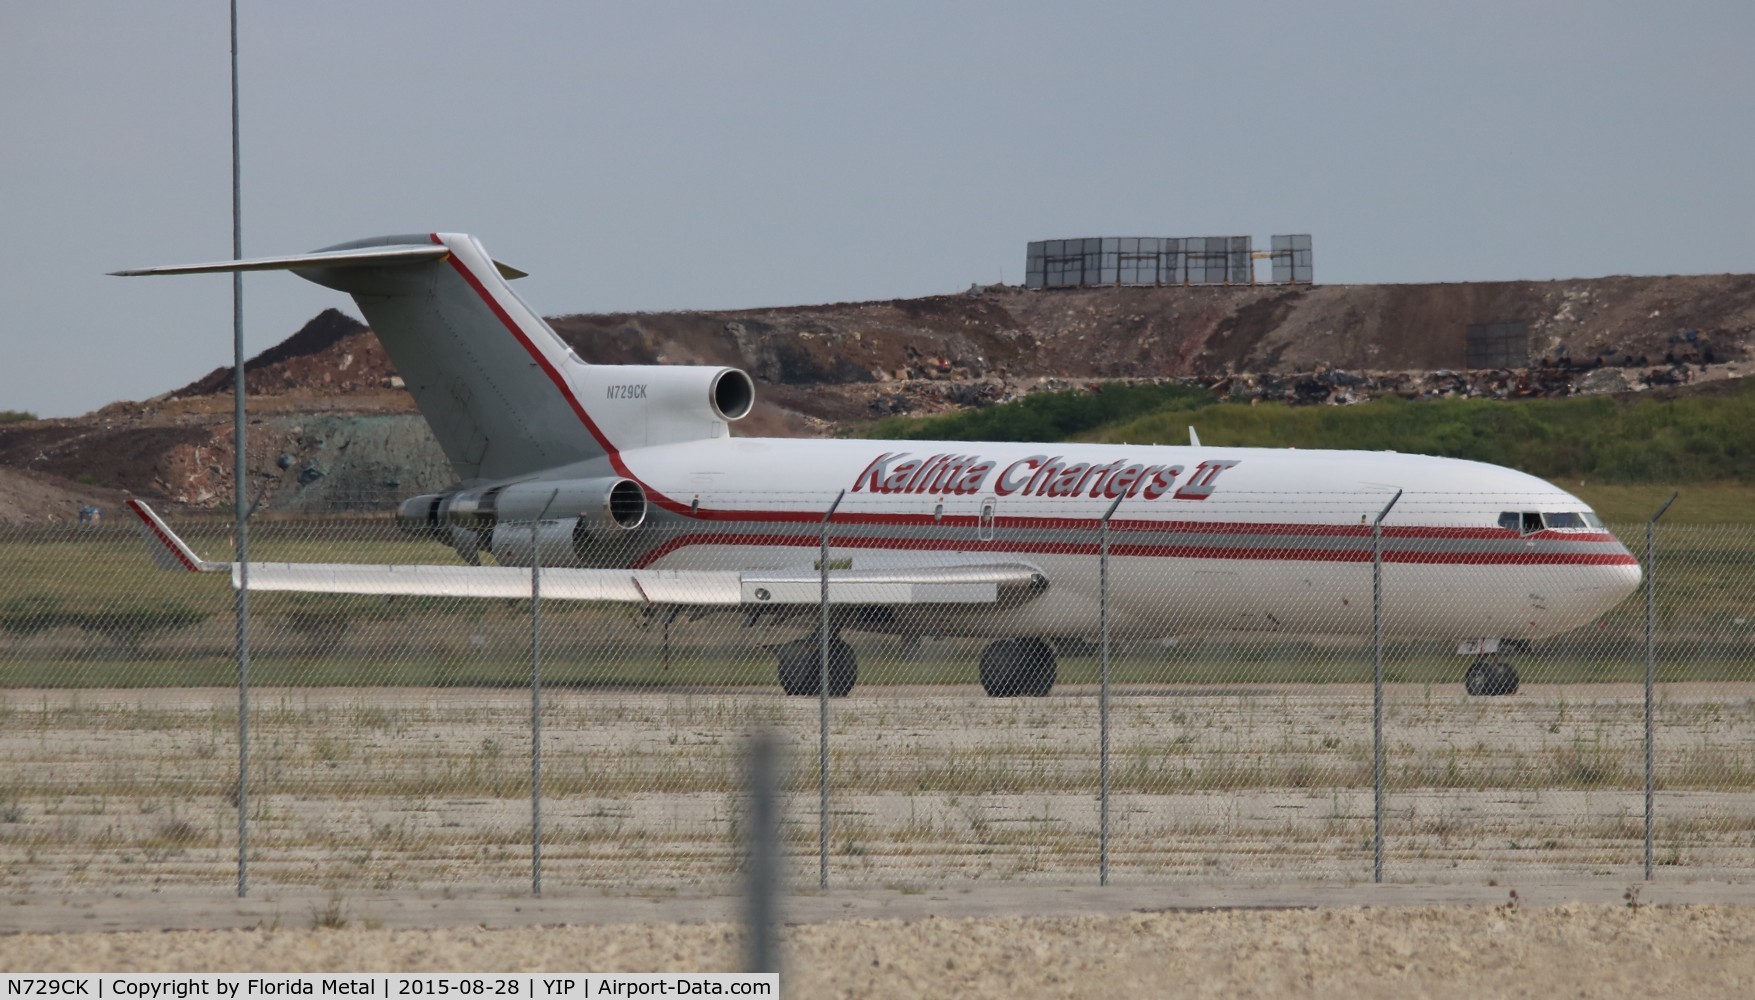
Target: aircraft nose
(1617, 578)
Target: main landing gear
(801, 667)
(1014, 667)
(1490, 675)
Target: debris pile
(1324, 386)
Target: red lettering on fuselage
(1038, 475)
(1200, 484)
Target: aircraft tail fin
(493, 380)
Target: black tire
(1012, 668)
(843, 668)
(1037, 668)
(1490, 677)
(801, 668)
(999, 669)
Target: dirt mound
(333, 355)
(36, 498)
(1007, 338)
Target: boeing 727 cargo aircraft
(643, 496)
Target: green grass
(1723, 502)
(1049, 416)
(1593, 439)
(1586, 444)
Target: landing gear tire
(1490, 677)
(1018, 667)
(801, 668)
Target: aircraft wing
(973, 583)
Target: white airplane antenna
(1193, 438)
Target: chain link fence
(1224, 732)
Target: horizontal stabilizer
(379, 256)
(168, 551)
(366, 257)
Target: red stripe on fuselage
(925, 519)
(1145, 551)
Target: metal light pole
(1377, 688)
(536, 698)
(823, 706)
(1651, 665)
(1103, 693)
(239, 472)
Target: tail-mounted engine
(575, 520)
(641, 405)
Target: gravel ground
(1573, 949)
(377, 789)
(117, 830)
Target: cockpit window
(1529, 522)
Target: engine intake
(733, 394)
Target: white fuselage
(1203, 538)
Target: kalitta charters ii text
(1036, 476)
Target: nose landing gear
(1490, 675)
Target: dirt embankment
(854, 361)
(818, 366)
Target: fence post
(240, 467)
(1651, 663)
(1377, 688)
(1103, 693)
(823, 705)
(536, 698)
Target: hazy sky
(694, 155)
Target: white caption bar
(389, 986)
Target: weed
(331, 917)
